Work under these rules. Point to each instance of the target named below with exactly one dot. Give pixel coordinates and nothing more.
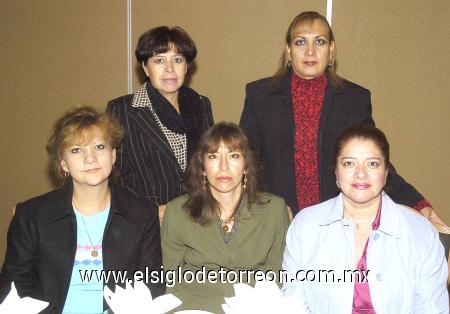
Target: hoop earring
(244, 185)
(204, 182)
(330, 65)
(337, 184)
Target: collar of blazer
(60, 204)
(140, 98)
(391, 221)
(145, 117)
(284, 87)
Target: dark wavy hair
(76, 127)
(306, 19)
(160, 40)
(201, 206)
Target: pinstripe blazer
(145, 161)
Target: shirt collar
(390, 220)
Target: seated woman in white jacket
(360, 252)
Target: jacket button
(379, 277)
(376, 236)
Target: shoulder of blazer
(259, 86)
(48, 207)
(120, 103)
(204, 100)
(348, 87)
(129, 205)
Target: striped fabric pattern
(146, 161)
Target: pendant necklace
(227, 221)
(94, 252)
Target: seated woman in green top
(223, 231)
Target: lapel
(328, 99)
(59, 220)
(283, 91)
(147, 123)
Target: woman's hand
(437, 222)
(161, 209)
(291, 216)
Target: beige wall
(56, 54)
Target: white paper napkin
(13, 304)
(138, 300)
(265, 297)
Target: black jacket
(146, 162)
(268, 121)
(42, 244)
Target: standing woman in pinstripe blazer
(163, 119)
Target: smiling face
(361, 172)
(89, 164)
(166, 72)
(224, 170)
(310, 49)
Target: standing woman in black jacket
(163, 119)
(293, 119)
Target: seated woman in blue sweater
(360, 252)
(61, 243)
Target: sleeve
(173, 248)
(20, 256)
(402, 192)
(151, 252)
(126, 176)
(292, 263)
(250, 124)
(208, 120)
(275, 256)
(431, 291)
(397, 188)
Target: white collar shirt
(407, 270)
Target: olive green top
(258, 245)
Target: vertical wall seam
(329, 10)
(129, 62)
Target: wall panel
(400, 51)
(54, 55)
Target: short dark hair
(365, 132)
(160, 40)
(201, 205)
(77, 125)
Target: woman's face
(310, 50)
(166, 71)
(361, 171)
(89, 164)
(224, 170)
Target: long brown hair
(201, 205)
(307, 19)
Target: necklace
(94, 252)
(227, 221)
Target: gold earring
(337, 183)
(204, 182)
(244, 185)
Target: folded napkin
(13, 304)
(138, 300)
(265, 297)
